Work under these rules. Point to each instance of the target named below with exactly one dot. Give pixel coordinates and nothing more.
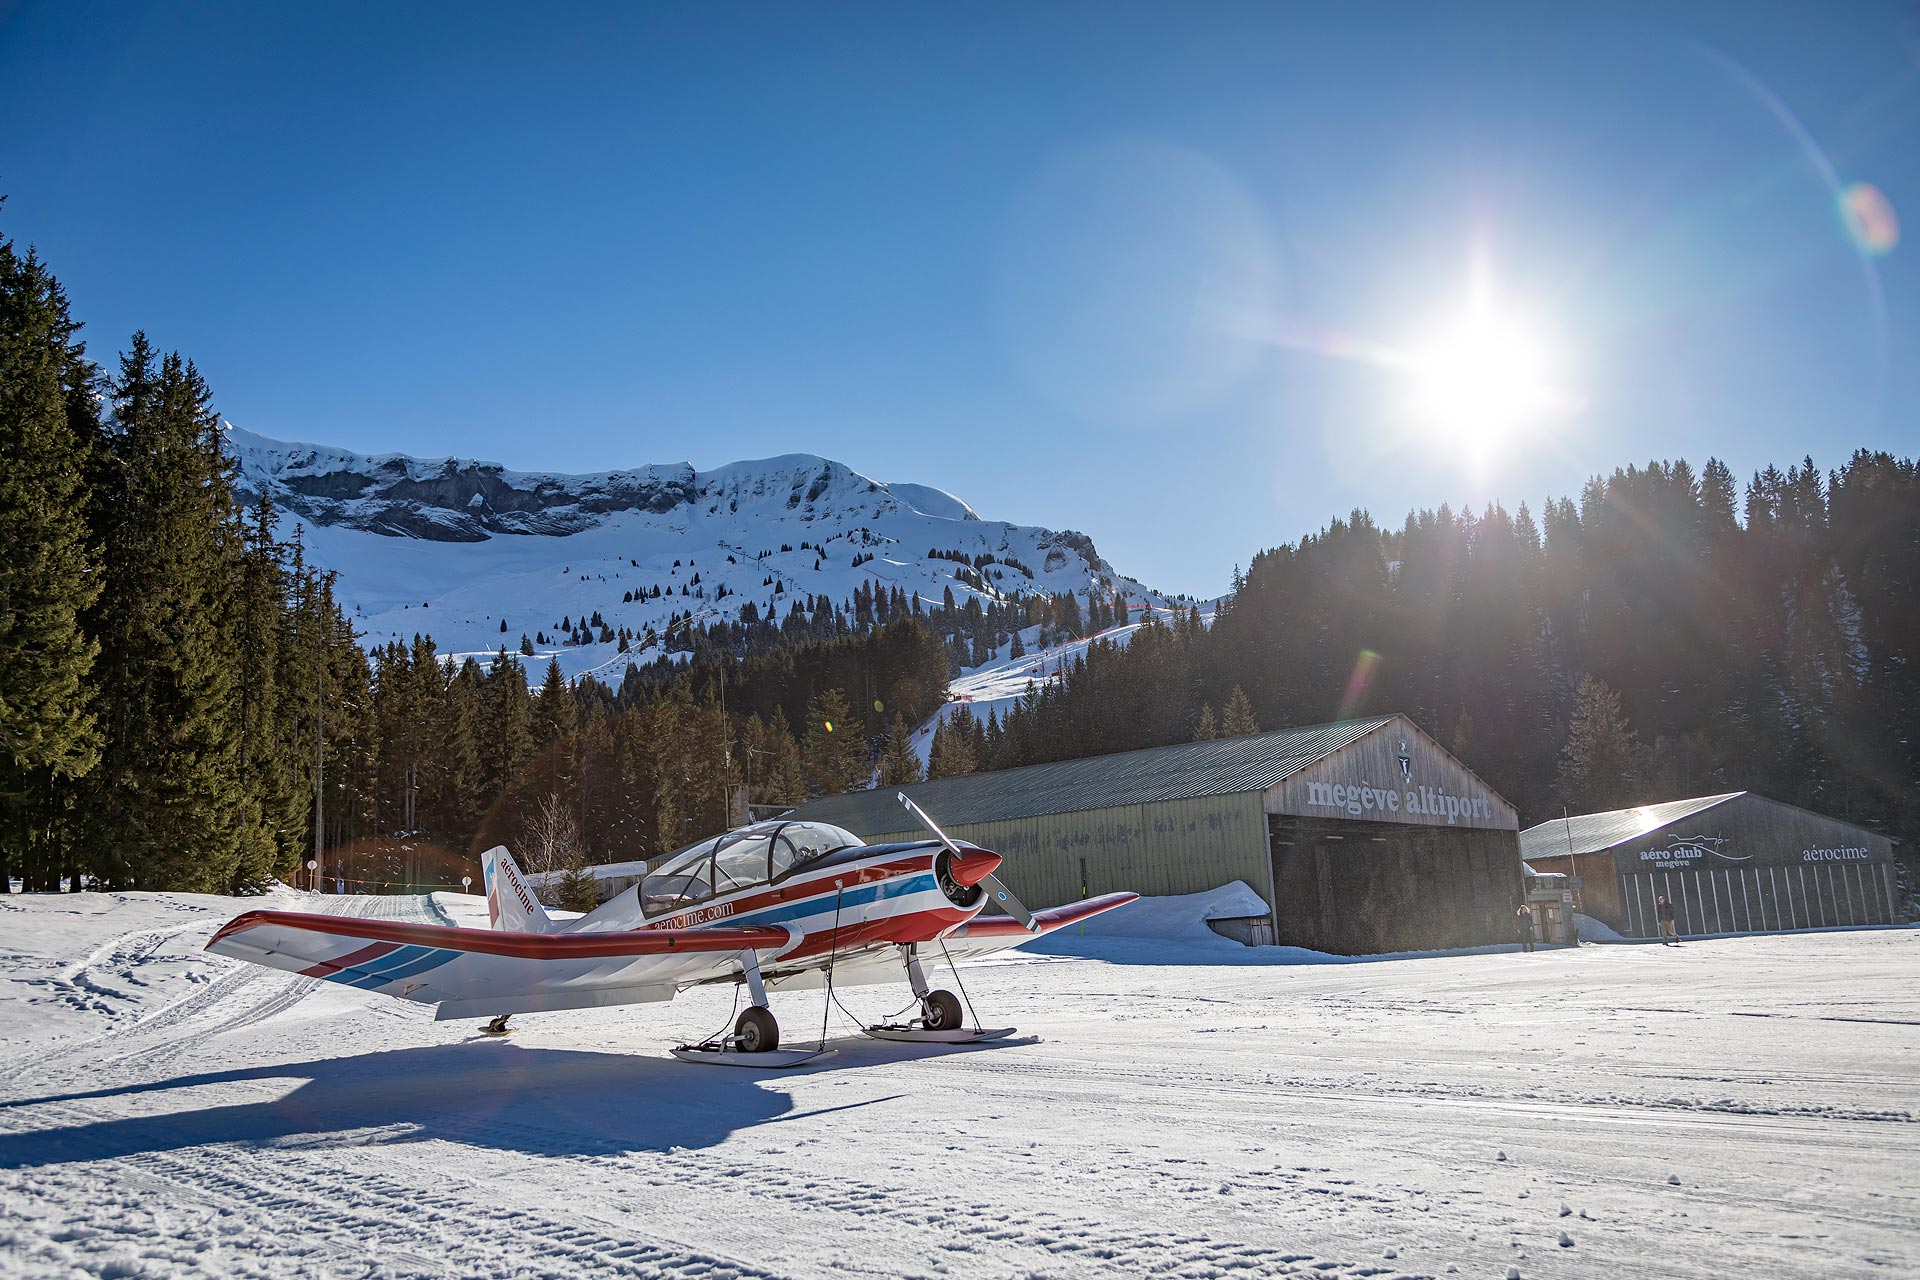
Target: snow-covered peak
(456, 547)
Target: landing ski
(769, 1060)
(958, 1035)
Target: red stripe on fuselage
(918, 926)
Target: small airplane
(780, 904)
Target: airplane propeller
(994, 885)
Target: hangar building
(1363, 836)
(1729, 864)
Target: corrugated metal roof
(1592, 832)
(1222, 767)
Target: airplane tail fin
(511, 906)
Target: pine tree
(836, 759)
(453, 788)
(1236, 720)
(1600, 764)
(899, 766)
(259, 603)
(48, 578)
(168, 806)
(1204, 729)
(555, 716)
(957, 745)
(506, 717)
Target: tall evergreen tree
(836, 757)
(899, 766)
(48, 736)
(168, 804)
(554, 715)
(1237, 720)
(1600, 764)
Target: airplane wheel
(757, 1031)
(943, 1011)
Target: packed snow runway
(1746, 1106)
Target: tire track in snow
(164, 1034)
(369, 1215)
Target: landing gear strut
(941, 1017)
(755, 1041)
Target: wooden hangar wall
(1391, 844)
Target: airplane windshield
(738, 860)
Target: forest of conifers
(1668, 635)
(181, 699)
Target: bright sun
(1483, 376)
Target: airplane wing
(984, 935)
(483, 972)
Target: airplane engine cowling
(960, 895)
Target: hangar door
(1390, 844)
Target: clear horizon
(1190, 281)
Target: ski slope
(1174, 1106)
(993, 687)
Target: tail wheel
(942, 1011)
(756, 1031)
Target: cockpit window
(684, 879)
(799, 843)
(739, 859)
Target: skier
(1667, 930)
(1523, 917)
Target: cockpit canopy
(759, 854)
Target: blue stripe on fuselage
(822, 901)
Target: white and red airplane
(777, 905)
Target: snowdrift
(1173, 930)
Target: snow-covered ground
(1174, 1106)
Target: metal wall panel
(1757, 899)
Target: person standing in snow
(1669, 936)
(1523, 917)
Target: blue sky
(1151, 272)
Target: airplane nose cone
(974, 865)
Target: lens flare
(1358, 683)
(1870, 218)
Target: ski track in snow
(1615, 1111)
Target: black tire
(756, 1031)
(943, 1011)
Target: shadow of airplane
(540, 1101)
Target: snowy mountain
(477, 555)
